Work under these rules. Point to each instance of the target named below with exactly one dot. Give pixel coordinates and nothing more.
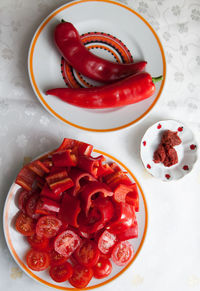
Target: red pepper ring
(70, 209)
(128, 91)
(79, 57)
(89, 190)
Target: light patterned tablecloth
(170, 257)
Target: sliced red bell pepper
(47, 192)
(129, 233)
(40, 181)
(38, 168)
(89, 190)
(128, 194)
(125, 217)
(47, 206)
(59, 181)
(116, 178)
(70, 209)
(133, 197)
(25, 178)
(64, 158)
(47, 162)
(89, 164)
(101, 212)
(77, 146)
(79, 178)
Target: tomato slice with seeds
(122, 253)
(25, 224)
(66, 243)
(37, 260)
(48, 226)
(61, 273)
(106, 241)
(81, 276)
(102, 269)
(38, 243)
(87, 254)
(56, 259)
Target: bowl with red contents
(168, 150)
(75, 217)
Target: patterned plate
(186, 151)
(131, 38)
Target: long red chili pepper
(130, 90)
(78, 56)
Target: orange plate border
(38, 93)
(31, 274)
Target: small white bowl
(186, 151)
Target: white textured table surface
(170, 257)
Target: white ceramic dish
(18, 246)
(141, 42)
(186, 151)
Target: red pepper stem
(157, 79)
(62, 20)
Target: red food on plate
(122, 253)
(166, 153)
(61, 273)
(48, 226)
(24, 195)
(38, 243)
(25, 224)
(76, 209)
(81, 276)
(87, 254)
(106, 241)
(56, 259)
(102, 269)
(66, 243)
(37, 260)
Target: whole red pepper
(130, 90)
(77, 55)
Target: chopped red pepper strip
(40, 181)
(64, 158)
(133, 197)
(89, 190)
(128, 194)
(116, 178)
(79, 177)
(129, 233)
(98, 216)
(25, 178)
(78, 147)
(59, 182)
(47, 162)
(47, 206)
(38, 168)
(47, 192)
(70, 209)
(89, 164)
(125, 217)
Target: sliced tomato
(66, 243)
(81, 276)
(25, 224)
(23, 197)
(102, 269)
(61, 273)
(56, 259)
(37, 260)
(87, 254)
(38, 243)
(31, 206)
(106, 242)
(122, 253)
(48, 226)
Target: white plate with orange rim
(187, 151)
(18, 245)
(131, 38)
